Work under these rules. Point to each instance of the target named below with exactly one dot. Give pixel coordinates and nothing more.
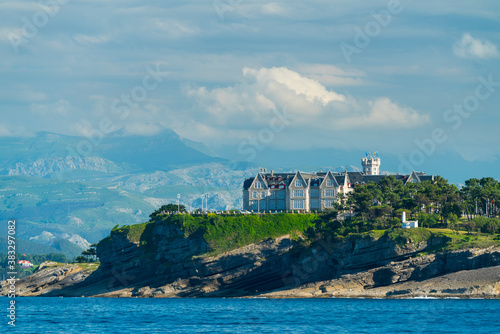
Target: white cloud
(84, 128)
(4, 131)
(274, 8)
(10, 34)
(8, 130)
(91, 39)
(311, 89)
(319, 114)
(384, 113)
(174, 29)
(23, 94)
(330, 75)
(59, 108)
(470, 47)
(28, 6)
(143, 129)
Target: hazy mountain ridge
(50, 191)
(57, 166)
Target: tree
(453, 222)
(90, 255)
(469, 226)
(363, 198)
(167, 208)
(481, 196)
(81, 259)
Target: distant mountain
(163, 151)
(60, 246)
(447, 164)
(122, 180)
(50, 153)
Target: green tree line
(434, 203)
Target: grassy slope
(224, 233)
(50, 204)
(463, 240)
(88, 267)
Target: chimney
(272, 172)
(403, 217)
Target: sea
(134, 315)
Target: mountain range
(72, 188)
(52, 190)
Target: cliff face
(171, 264)
(164, 262)
(50, 276)
(469, 273)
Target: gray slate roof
(317, 178)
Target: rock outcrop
(165, 262)
(465, 273)
(50, 276)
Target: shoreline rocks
(174, 265)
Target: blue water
(108, 315)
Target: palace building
(275, 192)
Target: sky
(413, 78)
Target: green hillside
(60, 246)
(224, 232)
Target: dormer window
(298, 183)
(329, 183)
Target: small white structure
(409, 223)
(25, 264)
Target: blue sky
(226, 69)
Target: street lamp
(178, 205)
(258, 203)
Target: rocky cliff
(50, 276)
(164, 261)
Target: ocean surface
(120, 315)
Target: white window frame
(329, 183)
(329, 203)
(298, 204)
(298, 193)
(298, 183)
(254, 195)
(329, 192)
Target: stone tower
(371, 165)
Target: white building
(408, 223)
(275, 192)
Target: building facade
(276, 192)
